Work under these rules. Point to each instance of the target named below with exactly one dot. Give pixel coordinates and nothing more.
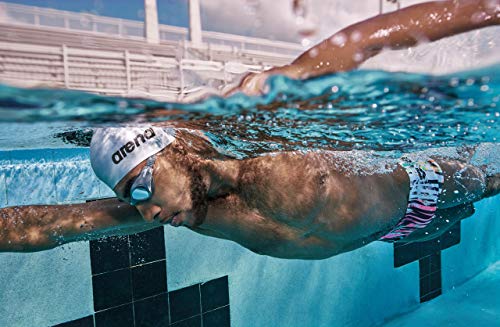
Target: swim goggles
(142, 188)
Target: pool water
(477, 302)
(44, 159)
(365, 110)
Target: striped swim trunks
(426, 181)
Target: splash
(363, 110)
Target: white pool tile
(5, 157)
(71, 154)
(105, 191)
(3, 190)
(31, 183)
(45, 288)
(4, 161)
(75, 181)
(475, 303)
(335, 289)
(29, 177)
(54, 286)
(3, 187)
(35, 156)
(479, 245)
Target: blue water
(368, 110)
(475, 303)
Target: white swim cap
(114, 152)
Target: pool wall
(181, 278)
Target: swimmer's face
(178, 196)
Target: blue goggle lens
(142, 186)
(140, 194)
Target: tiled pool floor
(475, 303)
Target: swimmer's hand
(254, 84)
(251, 84)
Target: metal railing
(123, 28)
(110, 72)
(53, 48)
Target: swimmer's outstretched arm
(41, 227)
(350, 47)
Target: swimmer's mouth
(170, 220)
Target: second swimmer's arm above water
(408, 27)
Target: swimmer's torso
(322, 214)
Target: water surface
(366, 110)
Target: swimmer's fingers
(251, 84)
(230, 90)
(254, 84)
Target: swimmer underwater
(296, 205)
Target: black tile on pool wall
(149, 279)
(425, 287)
(184, 303)
(404, 254)
(214, 294)
(83, 322)
(435, 262)
(122, 316)
(112, 289)
(109, 254)
(191, 322)
(152, 312)
(424, 266)
(430, 284)
(147, 246)
(409, 252)
(435, 281)
(217, 318)
(430, 296)
(430, 276)
(451, 237)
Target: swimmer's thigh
(463, 183)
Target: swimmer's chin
(174, 219)
(194, 218)
(183, 218)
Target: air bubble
(338, 39)
(358, 56)
(356, 36)
(305, 43)
(313, 53)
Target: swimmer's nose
(148, 210)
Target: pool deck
(475, 303)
